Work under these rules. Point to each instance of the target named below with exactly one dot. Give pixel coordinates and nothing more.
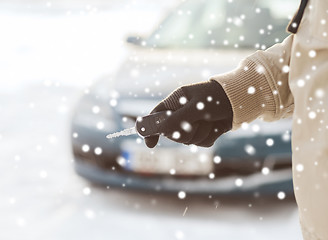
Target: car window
(224, 24)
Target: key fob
(149, 125)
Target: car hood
(151, 73)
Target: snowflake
(250, 149)
(113, 102)
(217, 159)
(86, 191)
(312, 115)
(179, 235)
(281, 195)
(239, 182)
(255, 128)
(211, 176)
(269, 142)
(285, 69)
(193, 148)
(312, 53)
(21, 222)
(260, 69)
(85, 148)
(286, 136)
(182, 195)
(265, 171)
(251, 90)
(319, 93)
(299, 167)
(200, 106)
(244, 125)
(89, 213)
(176, 135)
(186, 126)
(100, 125)
(43, 174)
(203, 157)
(98, 150)
(300, 83)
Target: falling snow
(285, 69)
(312, 115)
(269, 142)
(200, 105)
(312, 54)
(85, 148)
(98, 151)
(95, 109)
(299, 167)
(182, 194)
(63, 187)
(319, 93)
(86, 191)
(265, 171)
(250, 149)
(239, 182)
(300, 83)
(281, 195)
(251, 90)
(176, 135)
(217, 159)
(113, 102)
(211, 176)
(183, 100)
(43, 174)
(186, 126)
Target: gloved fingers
(151, 141)
(188, 114)
(173, 127)
(181, 134)
(179, 123)
(202, 132)
(168, 104)
(217, 130)
(196, 110)
(208, 142)
(159, 108)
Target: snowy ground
(48, 55)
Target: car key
(145, 126)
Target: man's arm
(200, 113)
(259, 86)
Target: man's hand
(200, 113)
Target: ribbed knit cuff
(249, 92)
(172, 102)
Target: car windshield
(224, 23)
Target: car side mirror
(136, 40)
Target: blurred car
(196, 40)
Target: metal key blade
(145, 126)
(125, 132)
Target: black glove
(200, 114)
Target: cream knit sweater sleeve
(259, 88)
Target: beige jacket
(291, 79)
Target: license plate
(173, 160)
